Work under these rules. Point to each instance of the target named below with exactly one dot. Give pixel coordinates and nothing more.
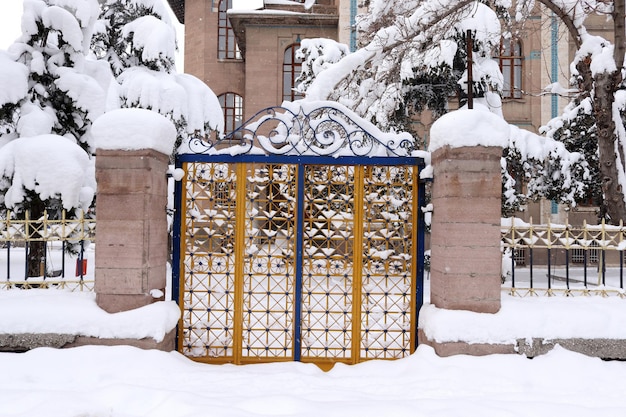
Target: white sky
(10, 17)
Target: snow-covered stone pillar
(466, 148)
(132, 156)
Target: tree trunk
(604, 97)
(36, 248)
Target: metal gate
(292, 246)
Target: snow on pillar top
(465, 127)
(134, 129)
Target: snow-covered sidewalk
(123, 382)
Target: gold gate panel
(209, 260)
(327, 276)
(269, 262)
(388, 267)
(243, 289)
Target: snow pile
(465, 127)
(76, 313)
(182, 97)
(50, 165)
(133, 129)
(122, 381)
(152, 36)
(557, 317)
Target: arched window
(226, 44)
(232, 105)
(511, 59)
(292, 67)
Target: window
(511, 66)
(232, 104)
(226, 45)
(292, 67)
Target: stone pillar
(132, 156)
(132, 232)
(465, 229)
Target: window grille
(578, 254)
(226, 44)
(511, 60)
(292, 67)
(232, 105)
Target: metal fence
(65, 245)
(561, 258)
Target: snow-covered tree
(51, 93)
(53, 86)
(404, 35)
(134, 33)
(65, 90)
(138, 40)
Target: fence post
(131, 203)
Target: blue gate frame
(286, 160)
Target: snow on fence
(65, 247)
(562, 258)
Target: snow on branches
(413, 56)
(77, 60)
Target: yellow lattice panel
(387, 274)
(269, 262)
(208, 248)
(327, 276)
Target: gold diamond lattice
(386, 295)
(269, 266)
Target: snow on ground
(123, 381)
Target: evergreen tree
(577, 130)
(63, 94)
(55, 92)
(53, 85)
(134, 33)
(138, 40)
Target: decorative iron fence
(59, 247)
(561, 258)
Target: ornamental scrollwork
(307, 128)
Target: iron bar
(81, 258)
(621, 269)
(603, 267)
(45, 260)
(585, 268)
(567, 268)
(530, 257)
(26, 250)
(549, 268)
(513, 268)
(63, 259)
(297, 345)
(8, 260)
